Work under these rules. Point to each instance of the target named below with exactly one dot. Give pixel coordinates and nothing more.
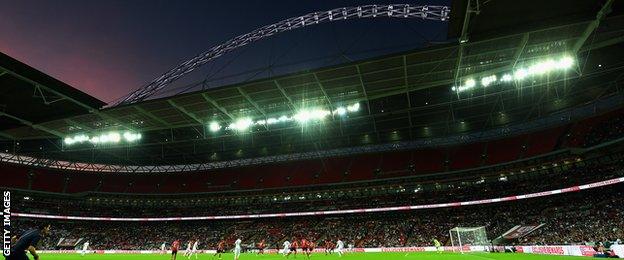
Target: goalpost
(468, 236)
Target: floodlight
(539, 68)
(128, 136)
(114, 137)
(319, 113)
(307, 115)
(565, 62)
(302, 116)
(486, 81)
(241, 124)
(340, 111)
(520, 74)
(271, 121)
(507, 78)
(470, 83)
(214, 126)
(353, 108)
(542, 67)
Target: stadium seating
(504, 150)
(466, 157)
(331, 170)
(15, 176)
(566, 173)
(78, 182)
(574, 218)
(48, 181)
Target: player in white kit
(188, 249)
(194, 251)
(237, 248)
(340, 247)
(85, 248)
(163, 248)
(286, 247)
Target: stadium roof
(403, 96)
(29, 97)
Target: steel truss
(437, 13)
(515, 129)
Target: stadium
(505, 140)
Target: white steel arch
(425, 12)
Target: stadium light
(341, 111)
(271, 121)
(241, 124)
(214, 127)
(353, 108)
(539, 68)
(520, 74)
(486, 81)
(308, 115)
(131, 137)
(507, 78)
(110, 137)
(565, 62)
(470, 83)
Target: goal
(469, 239)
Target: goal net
(466, 239)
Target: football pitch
(352, 256)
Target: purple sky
(108, 48)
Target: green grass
(366, 256)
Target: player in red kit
(329, 247)
(293, 248)
(309, 247)
(261, 247)
(174, 249)
(220, 249)
(305, 247)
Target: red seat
(48, 181)
(14, 176)
(113, 182)
(82, 182)
(334, 169)
(543, 142)
(505, 150)
(428, 160)
(363, 167)
(305, 172)
(466, 156)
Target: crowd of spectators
(588, 216)
(584, 217)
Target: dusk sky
(109, 48)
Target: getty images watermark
(6, 223)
